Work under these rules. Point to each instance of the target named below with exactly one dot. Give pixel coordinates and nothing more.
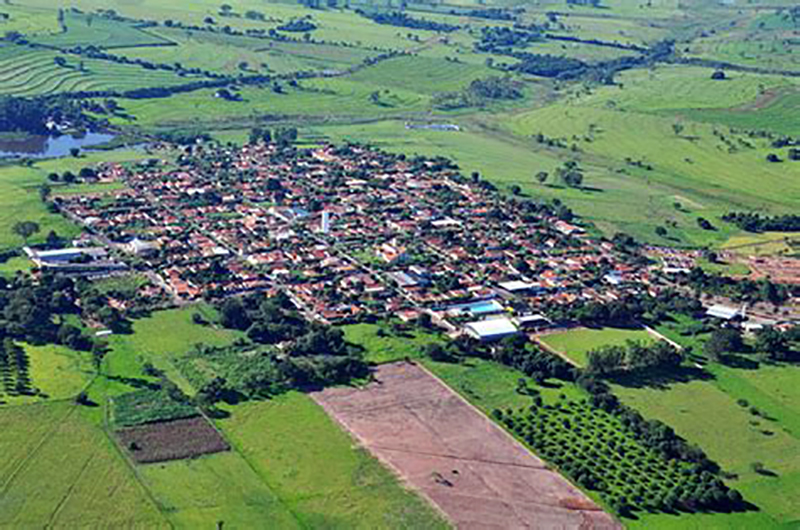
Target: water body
(49, 146)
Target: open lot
(477, 474)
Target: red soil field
(171, 440)
(469, 467)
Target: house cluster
(348, 231)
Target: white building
(491, 330)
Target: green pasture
(672, 89)
(489, 385)
(734, 437)
(57, 372)
(14, 265)
(695, 160)
(314, 469)
(225, 53)
(778, 113)
(28, 20)
(577, 343)
(84, 29)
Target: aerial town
(345, 231)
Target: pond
(49, 146)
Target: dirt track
(469, 467)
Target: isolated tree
(677, 128)
(25, 229)
(772, 157)
(541, 177)
(718, 75)
(515, 190)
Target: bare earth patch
(477, 474)
(171, 440)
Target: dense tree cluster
(295, 353)
(32, 115)
(14, 369)
(631, 357)
(742, 290)
(479, 92)
(531, 360)
(753, 222)
(298, 25)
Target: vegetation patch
(149, 406)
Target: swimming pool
(483, 307)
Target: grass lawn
(389, 347)
(577, 343)
(314, 469)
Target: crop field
(33, 72)
(577, 343)
(218, 487)
(88, 482)
(455, 455)
(285, 439)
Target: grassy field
(56, 372)
(160, 339)
(382, 345)
(80, 29)
(285, 441)
(215, 488)
(577, 343)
